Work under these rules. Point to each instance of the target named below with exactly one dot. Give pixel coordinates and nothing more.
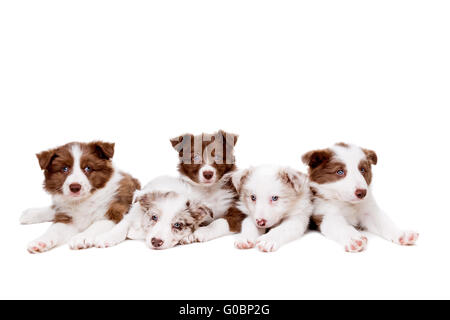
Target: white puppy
(343, 202)
(164, 212)
(275, 199)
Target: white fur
(287, 218)
(137, 225)
(86, 210)
(342, 211)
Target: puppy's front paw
(104, 241)
(407, 238)
(266, 243)
(80, 242)
(356, 244)
(41, 245)
(200, 235)
(244, 243)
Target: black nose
(75, 187)
(361, 193)
(157, 242)
(208, 175)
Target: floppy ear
(104, 150)
(229, 138)
(371, 156)
(178, 142)
(294, 179)
(315, 158)
(198, 211)
(45, 158)
(238, 178)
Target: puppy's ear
(239, 178)
(199, 212)
(45, 158)
(230, 138)
(179, 142)
(371, 156)
(104, 150)
(315, 158)
(293, 178)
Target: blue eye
(65, 169)
(340, 172)
(253, 197)
(197, 158)
(154, 218)
(275, 198)
(87, 169)
(177, 225)
(363, 170)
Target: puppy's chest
(218, 200)
(351, 213)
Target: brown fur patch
(342, 144)
(124, 196)
(146, 200)
(371, 156)
(52, 162)
(315, 222)
(234, 218)
(205, 144)
(367, 174)
(62, 218)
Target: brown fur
(371, 156)
(96, 155)
(342, 144)
(315, 222)
(189, 168)
(122, 201)
(368, 170)
(234, 218)
(62, 218)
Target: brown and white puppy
(89, 195)
(340, 179)
(206, 160)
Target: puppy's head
(76, 170)
(169, 217)
(205, 158)
(268, 192)
(342, 172)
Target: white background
(288, 76)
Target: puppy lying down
(164, 213)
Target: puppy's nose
(157, 242)
(361, 193)
(75, 187)
(261, 222)
(208, 175)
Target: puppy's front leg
(377, 222)
(57, 234)
(289, 229)
(86, 239)
(335, 227)
(114, 236)
(217, 228)
(247, 238)
(37, 215)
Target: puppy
(89, 195)
(205, 163)
(275, 199)
(164, 212)
(340, 179)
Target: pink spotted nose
(261, 222)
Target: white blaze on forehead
(77, 175)
(351, 155)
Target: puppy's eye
(197, 158)
(253, 197)
(65, 169)
(87, 169)
(362, 170)
(340, 172)
(275, 198)
(154, 217)
(178, 225)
